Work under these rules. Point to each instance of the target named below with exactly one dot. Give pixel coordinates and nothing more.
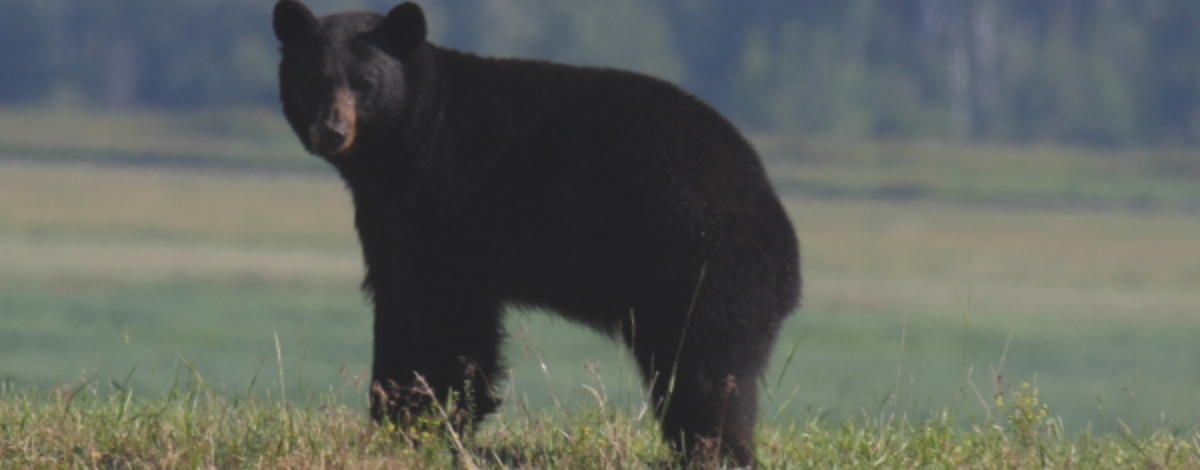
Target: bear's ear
(404, 28)
(293, 21)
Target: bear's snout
(334, 132)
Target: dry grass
(93, 201)
(93, 220)
(944, 242)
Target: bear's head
(341, 74)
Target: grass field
(192, 428)
(938, 278)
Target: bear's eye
(359, 84)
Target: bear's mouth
(331, 146)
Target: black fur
(612, 198)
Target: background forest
(1097, 72)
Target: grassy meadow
(195, 279)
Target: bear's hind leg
(706, 394)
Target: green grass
(182, 283)
(842, 362)
(89, 426)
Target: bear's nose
(331, 137)
(334, 132)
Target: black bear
(612, 198)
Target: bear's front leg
(444, 350)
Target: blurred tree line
(1100, 72)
